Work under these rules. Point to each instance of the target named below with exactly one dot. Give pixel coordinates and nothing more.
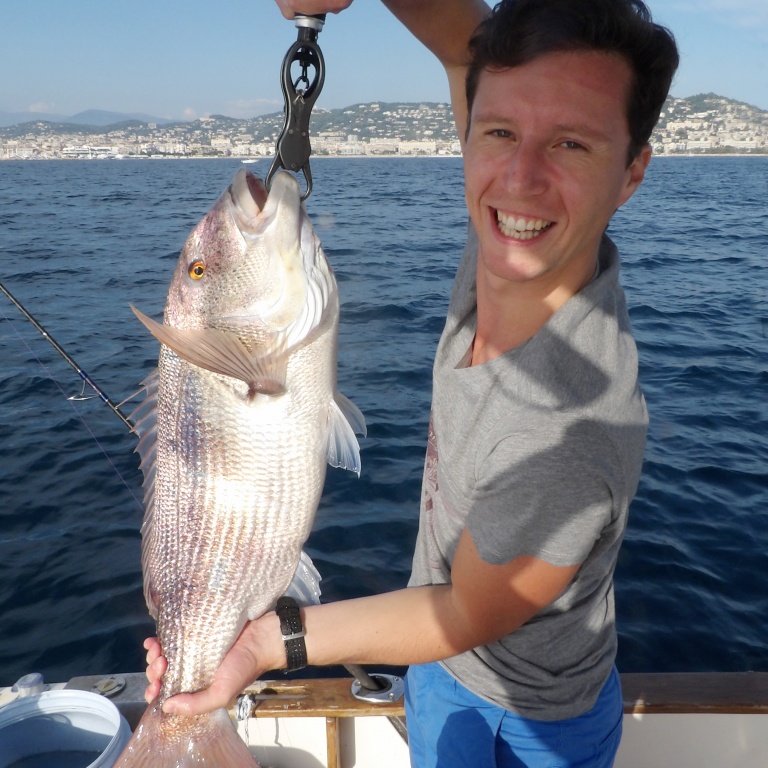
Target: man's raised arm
(445, 28)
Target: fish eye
(196, 269)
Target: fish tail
(174, 741)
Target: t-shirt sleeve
(548, 494)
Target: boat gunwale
(644, 693)
(736, 693)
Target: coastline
(250, 160)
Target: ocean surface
(80, 240)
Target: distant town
(703, 124)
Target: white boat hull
(671, 721)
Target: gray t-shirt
(537, 452)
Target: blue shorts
(451, 727)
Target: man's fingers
(289, 8)
(154, 651)
(199, 703)
(152, 692)
(156, 669)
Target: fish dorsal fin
(144, 418)
(344, 419)
(224, 353)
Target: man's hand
(289, 8)
(258, 649)
(156, 666)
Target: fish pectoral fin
(224, 353)
(305, 584)
(304, 587)
(351, 413)
(343, 449)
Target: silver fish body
(239, 423)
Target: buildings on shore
(705, 124)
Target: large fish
(240, 419)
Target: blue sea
(80, 240)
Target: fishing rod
(80, 372)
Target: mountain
(713, 108)
(95, 117)
(99, 117)
(17, 118)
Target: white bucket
(66, 729)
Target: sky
(187, 59)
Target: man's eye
(572, 145)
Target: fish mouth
(254, 206)
(248, 195)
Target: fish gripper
(300, 94)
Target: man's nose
(525, 172)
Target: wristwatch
(287, 611)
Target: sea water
(80, 240)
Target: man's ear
(635, 173)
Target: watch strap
(287, 610)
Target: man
(538, 423)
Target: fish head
(252, 266)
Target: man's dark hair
(519, 31)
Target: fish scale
(241, 420)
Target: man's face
(546, 165)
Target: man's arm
(483, 603)
(445, 28)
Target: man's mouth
(519, 228)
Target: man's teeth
(521, 229)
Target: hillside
(705, 123)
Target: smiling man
(545, 168)
(538, 422)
